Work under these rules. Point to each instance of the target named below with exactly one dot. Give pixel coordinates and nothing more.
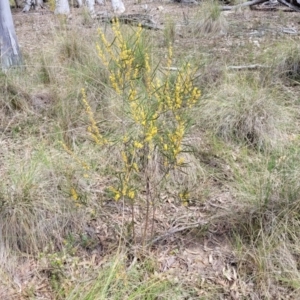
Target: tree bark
(91, 6)
(27, 5)
(118, 6)
(62, 7)
(79, 3)
(9, 48)
(34, 3)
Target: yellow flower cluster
(182, 95)
(155, 105)
(107, 48)
(123, 192)
(151, 131)
(122, 69)
(74, 195)
(92, 128)
(184, 196)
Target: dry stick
(247, 67)
(176, 230)
(147, 208)
(132, 221)
(248, 3)
(148, 192)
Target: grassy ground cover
(140, 164)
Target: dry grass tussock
(243, 110)
(209, 20)
(217, 179)
(284, 59)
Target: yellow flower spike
(92, 128)
(117, 196)
(74, 194)
(170, 54)
(131, 194)
(124, 190)
(152, 131)
(137, 145)
(112, 189)
(124, 157)
(132, 95)
(185, 203)
(135, 167)
(184, 197)
(106, 44)
(180, 161)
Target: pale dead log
(292, 4)
(247, 67)
(145, 21)
(245, 4)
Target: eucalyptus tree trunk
(91, 6)
(10, 54)
(35, 3)
(118, 6)
(62, 7)
(27, 5)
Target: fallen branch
(289, 31)
(248, 3)
(292, 6)
(247, 67)
(176, 230)
(145, 21)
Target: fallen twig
(176, 230)
(247, 67)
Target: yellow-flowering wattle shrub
(157, 107)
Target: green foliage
(169, 32)
(115, 281)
